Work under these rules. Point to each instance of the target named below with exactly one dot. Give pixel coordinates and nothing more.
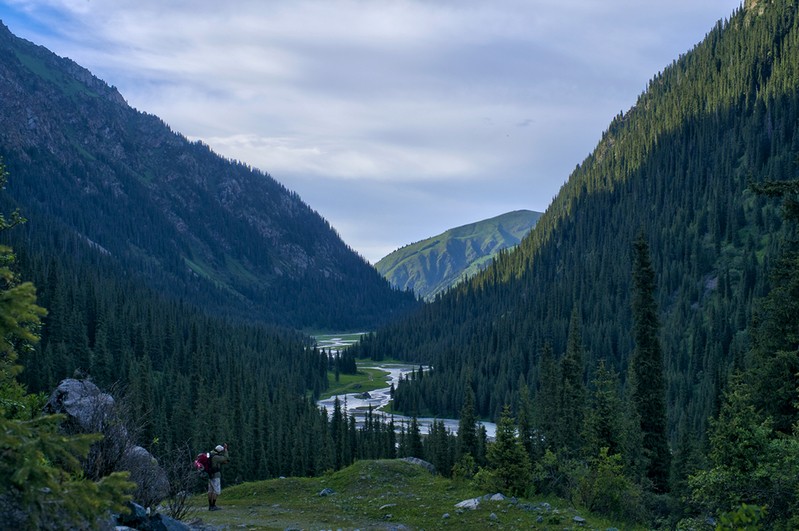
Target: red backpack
(203, 462)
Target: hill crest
(433, 265)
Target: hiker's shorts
(215, 486)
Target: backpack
(202, 463)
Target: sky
(394, 119)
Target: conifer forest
(638, 351)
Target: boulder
(151, 480)
(84, 405)
(472, 503)
(89, 410)
(430, 467)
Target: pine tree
(603, 423)
(646, 366)
(527, 431)
(547, 400)
(507, 460)
(467, 426)
(572, 390)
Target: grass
(384, 494)
(364, 380)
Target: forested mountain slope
(675, 167)
(435, 264)
(183, 220)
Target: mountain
(433, 265)
(676, 167)
(180, 218)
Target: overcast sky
(395, 120)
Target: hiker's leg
(211, 494)
(214, 489)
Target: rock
(540, 519)
(152, 481)
(493, 517)
(85, 406)
(445, 516)
(161, 522)
(497, 497)
(89, 410)
(472, 503)
(386, 506)
(327, 491)
(421, 462)
(579, 520)
(135, 517)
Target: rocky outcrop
(87, 409)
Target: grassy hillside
(387, 494)
(431, 266)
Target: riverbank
(358, 401)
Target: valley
(377, 392)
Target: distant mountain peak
(433, 265)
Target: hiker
(219, 457)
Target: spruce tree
(467, 426)
(646, 367)
(572, 390)
(507, 459)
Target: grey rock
(83, 403)
(421, 462)
(579, 520)
(89, 410)
(493, 517)
(161, 522)
(497, 497)
(445, 516)
(327, 491)
(471, 503)
(386, 506)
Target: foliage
(508, 467)
(44, 487)
(555, 475)
(744, 518)
(646, 369)
(605, 489)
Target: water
(358, 406)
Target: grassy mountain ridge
(186, 220)
(434, 264)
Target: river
(380, 397)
